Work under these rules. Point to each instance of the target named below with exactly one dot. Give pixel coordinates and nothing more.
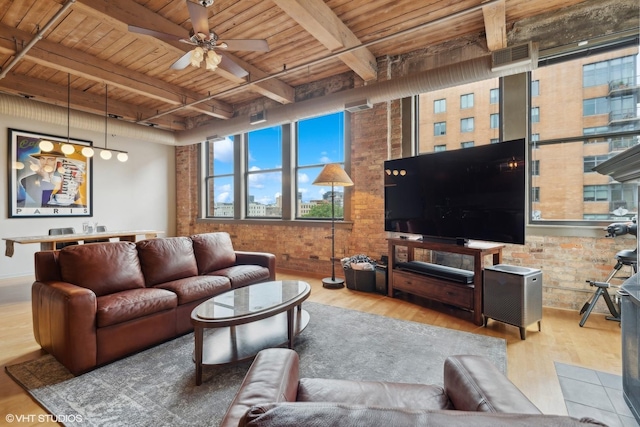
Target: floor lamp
(333, 175)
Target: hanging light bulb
(197, 55)
(123, 157)
(18, 165)
(45, 145)
(87, 151)
(105, 154)
(67, 148)
(212, 60)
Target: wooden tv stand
(464, 296)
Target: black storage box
(360, 280)
(381, 279)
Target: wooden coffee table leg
(198, 334)
(290, 324)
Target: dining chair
(60, 231)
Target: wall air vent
(257, 118)
(354, 107)
(523, 55)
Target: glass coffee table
(246, 320)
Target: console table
(465, 296)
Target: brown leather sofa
(475, 393)
(95, 303)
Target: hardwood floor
(529, 363)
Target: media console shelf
(467, 296)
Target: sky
(321, 140)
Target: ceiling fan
(206, 42)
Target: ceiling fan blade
(183, 62)
(231, 67)
(156, 34)
(199, 18)
(247, 44)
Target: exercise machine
(626, 257)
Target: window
(439, 106)
(494, 96)
(441, 147)
(563, 140)
(467, 144)
(592, 161)
(614, 71)
(466, 125)
(535, 194)
(494, 140)
(219, 183)
(440, 128)
(595, 193)
(535, 115)
(595, 106)
(494, 120)
(264, 172)
(535, 167)
(320, 141)
(535, 88)
(466, 101)
(255, 165)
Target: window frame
(289, 181)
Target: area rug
(157, 387)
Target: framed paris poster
(49, 176)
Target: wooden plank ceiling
(44, 44)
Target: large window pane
(264, 172)
(220, 189)
(587, 113)
(320, 142)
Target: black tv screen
(472, 193)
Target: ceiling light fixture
(67, 148)
(210, 58)
(106, 152)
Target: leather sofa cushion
(167, 259)
(243, 275)
(474, 384)
(214, 251)
(373, 393)
(133, 304)
(105, 268)
(342, 415)
(196, 288)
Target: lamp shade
(333, 174)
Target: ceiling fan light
(212, 60)
(197, 55)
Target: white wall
(138, 194)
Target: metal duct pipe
(469, 71)
(52, 114)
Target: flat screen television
(472, 193)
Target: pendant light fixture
(68, 148)
(105, 152)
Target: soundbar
(439, 271)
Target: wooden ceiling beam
(78, 63)
(495, 24)
(322, 23)
(79, 100)
(122, 13)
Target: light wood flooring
(529, 363)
